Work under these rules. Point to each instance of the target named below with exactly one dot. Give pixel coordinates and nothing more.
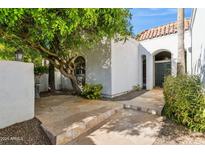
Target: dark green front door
(162, 69)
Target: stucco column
(150, 72)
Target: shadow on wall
(98, 65)
(98, 68)
(174, 61)
(61, 82)
(200, 65)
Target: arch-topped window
(164, 55)
(80, 69)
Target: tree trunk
(75, 86)
(181, 51)
(51, 77)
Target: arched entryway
(162, 66)
(80, 70)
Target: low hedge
(185, 101)
(92, 91)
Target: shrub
(185, 102)
(39, 70)
(91, 91)
(137, 87)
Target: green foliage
(185, 101)
(137, 87)
(39, 70)
(7, 52)
(91, 91)
(60, 34)
(62, 30)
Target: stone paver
(65, 117)
(151, 101)
(126, 127)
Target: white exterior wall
(153, 46)
(198, 43)
(98, 66)
(124, 71)
(44, 82)
(118, 65)
(65, 83)
(16, 92)
(61, 82)
(58, 84)
(98, 69)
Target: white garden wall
(198, 43)
(16, 92)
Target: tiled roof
(170, 28)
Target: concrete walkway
(150, 101)
(130, 126)
(65, 117)
(126, 127)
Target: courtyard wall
(16, 92)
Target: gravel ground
(28, 132)
(172, 133)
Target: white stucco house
(143, 60)
(118, 66)
(198, 43)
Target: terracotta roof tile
(170, 28)
(155, 33)
(151, 33)
(162, 30)
(158, 31)
(167, 29)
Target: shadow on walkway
(125, 97)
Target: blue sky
(146, 18)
